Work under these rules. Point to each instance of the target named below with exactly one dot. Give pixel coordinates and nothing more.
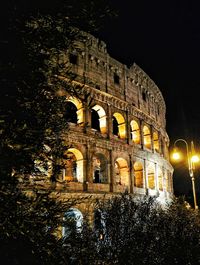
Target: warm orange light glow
(121, 125)
(147, 137)
(79, 107)
(176, 156)
(195, 159)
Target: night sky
(163, 38)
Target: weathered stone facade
(117, 135)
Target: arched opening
(115, 126)
(160, 179)
(138, 174)
(99, 163)
(121, 172)
(119, 126)
(147, 137)
(151, 176)
(95, 124)
(135, 132)
(72, 221)
(70, 112)
(98, 119)
(73, 171)
(156, 142)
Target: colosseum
(117, 134)
(116, 139)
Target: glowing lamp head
(195, 159)
(176, 155)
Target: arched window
(115, 127)
(98, 119)
(121, 172)
(135, 132)
(138, 174)
(75, 110)
(119, 126)
(73, 171)
(156, 141)
(147, 137)
(151, 175)
(71, 113)
(95, 124)
(72, 222)
(100, 174)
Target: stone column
(86, 168)
(152, 141)
(131, 173)
(109, 122)
(145, 176)
(128, 132)
(141, 134)
(111, 170)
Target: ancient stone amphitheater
(117, 133)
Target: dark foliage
(143, 232)
(32, 121)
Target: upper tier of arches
(93, 66)
(114, 124)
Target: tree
(140, 231)
(33, 72)
(32, 107)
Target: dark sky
(163, 38)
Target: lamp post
(192, 158)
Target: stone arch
(73, 171)
(119, 125)
(72, 219)
(160, 179)
(156, 141)
(151, 175)
(121, 172)
(138, 174)
(100, 168)
(79, 108)
(147, 136)
(98, 119)
(135, 132)
(71, 112)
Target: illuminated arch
(73, 171)
(73, 219)
(99, 119)
(99, 166)
(151, 175)
(147, 137)
(160, 179)
(156, 141)
(121, 172)
(138, 174)
(135, 132)
(121, 125)
(71, 113)
(79, 106)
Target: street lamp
(192, 158)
